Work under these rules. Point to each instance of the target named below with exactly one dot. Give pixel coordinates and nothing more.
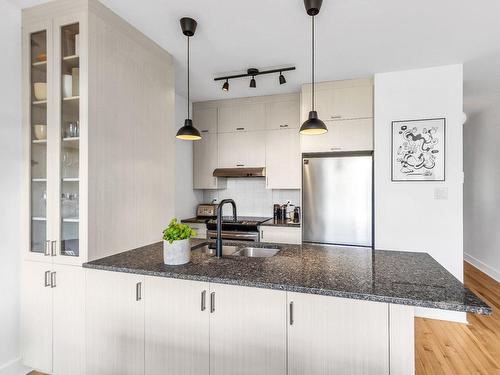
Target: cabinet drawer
(292, 235)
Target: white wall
(186, 199)
(10, 183)
(407, 216)
(482, 191)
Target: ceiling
(355, 38)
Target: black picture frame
(443, 152)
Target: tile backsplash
(251, 196)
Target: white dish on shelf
(40, 91)
(40, 131)
(67, 85)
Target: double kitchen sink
(238, 251)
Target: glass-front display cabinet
(54, 130)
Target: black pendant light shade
(225, 86)
(188, 132)
(313, 125)
(253, 84)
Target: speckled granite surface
(405, 278)
(280, 223)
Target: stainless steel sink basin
(256, 252)
(226, 250)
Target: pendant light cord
(312, 70)
(188, 74)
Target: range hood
(240, 172)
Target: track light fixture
(252, 72)
(282, 79)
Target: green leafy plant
(177, 231)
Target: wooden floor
(453, 348)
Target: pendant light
(313, 125)
(188, 132)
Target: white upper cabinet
(283, 161)
(348, 135)
(205, 160)
(242, 117)
(205, 119)
(340, 100)
(242, 149)
(284, 113)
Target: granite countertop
(404, 278)
(280, 223)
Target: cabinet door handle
(53, 250)
(291, 313)
(335, 117)
(240, 128)
(335, 148)
(138, 291)
(47, 248)
(240, 165)
(262, 233)
(284, 126)
(203, 300)
(47, 278)
(204, 131)
(212, 302)
(53, 280)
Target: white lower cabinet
(247, 331)
(177, 327)
(115, 323)
(52, 318)
(275, 234)
(329, 335)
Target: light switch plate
(441, 193)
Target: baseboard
(451, 316)
(483, 267)
(13, 367)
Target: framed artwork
(418, 150)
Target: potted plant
(176, 246)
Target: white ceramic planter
(177, 252)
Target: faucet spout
(218, 241)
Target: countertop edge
(298, 289)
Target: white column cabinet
(52, 317)
(283, 161)
(247, 331)
(177, 327)
(329, 335)
(114, 323)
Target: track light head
(253, 84)
(282, 79)
(225, 86)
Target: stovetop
(243, 223)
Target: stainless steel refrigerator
(337, 198)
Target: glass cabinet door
(38, 121)
(69, 169)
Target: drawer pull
(240, 128)
(212, 302)
(47, 278)
(203, 300)
(138, 291)
(335, 117)
(53, 280)
(284, 126)
(291, 313)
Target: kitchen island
(308, 309)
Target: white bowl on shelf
(40, 131)
(40, 90)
